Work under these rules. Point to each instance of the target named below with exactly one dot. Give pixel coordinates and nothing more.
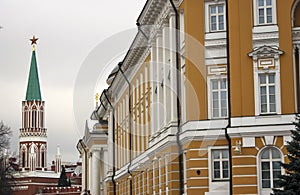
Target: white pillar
(90, 182)
(146, 107)
(105, 167)
(95, 190)
(153, 87)
(160, 111)
(137, 114)
(166, 70)
(142, 111)
(173, 81)
(110, 143)
(83, 181)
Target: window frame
(221, 160)
(259, 165)
(265, 7)
(210, 96)
(208, 5)
(217, 14)
(267, 85)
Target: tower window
(23, 159)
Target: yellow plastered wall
(194, 60)
(241, 65)
(286, 60)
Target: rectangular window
(265, 11)
(220, 164)
(267, 93)
(217, 16)
(219, 98)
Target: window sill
(220, 180)
(264, 28)
(215, 35)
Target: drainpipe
(85, 159)
(229, 101)
(180, 153)
(130, 124)
(114, 137)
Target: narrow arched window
(23, 159)
(43, 159)
(270, 160)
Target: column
(166, 72)
(83, 173)
(110, 144)
(142, 111)
(159, 104)
(153, 88)
(90, 182)
(137, 113)
(173, 73)
(95, 190)
(105, 168)
(146, 107)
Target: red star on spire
(33, 40)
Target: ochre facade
(168, 110)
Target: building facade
(94, 153)
(204, 100)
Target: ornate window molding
(266, 61)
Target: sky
(80, 42)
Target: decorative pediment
(265, 52)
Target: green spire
(33, 88)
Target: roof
(33, 87)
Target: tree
(6, 171)
(63, 180)
(290, 181)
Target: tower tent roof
(33, 88)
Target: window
(216, 14)
(219, 97)
(220, 163)
(267, 93)
(23, 159)
(270, 167)
(265, 15)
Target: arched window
(42, 156)
(23, 156)
(23, 159)
(270, 168)
(296, 15)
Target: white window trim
(257, 72)
(210, 164)
(267, 85)
(255, 13)
(209, 96)
(207, 15)
(265, 191)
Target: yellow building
(171, 128)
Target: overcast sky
(74, 36)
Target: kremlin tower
(33, 134)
